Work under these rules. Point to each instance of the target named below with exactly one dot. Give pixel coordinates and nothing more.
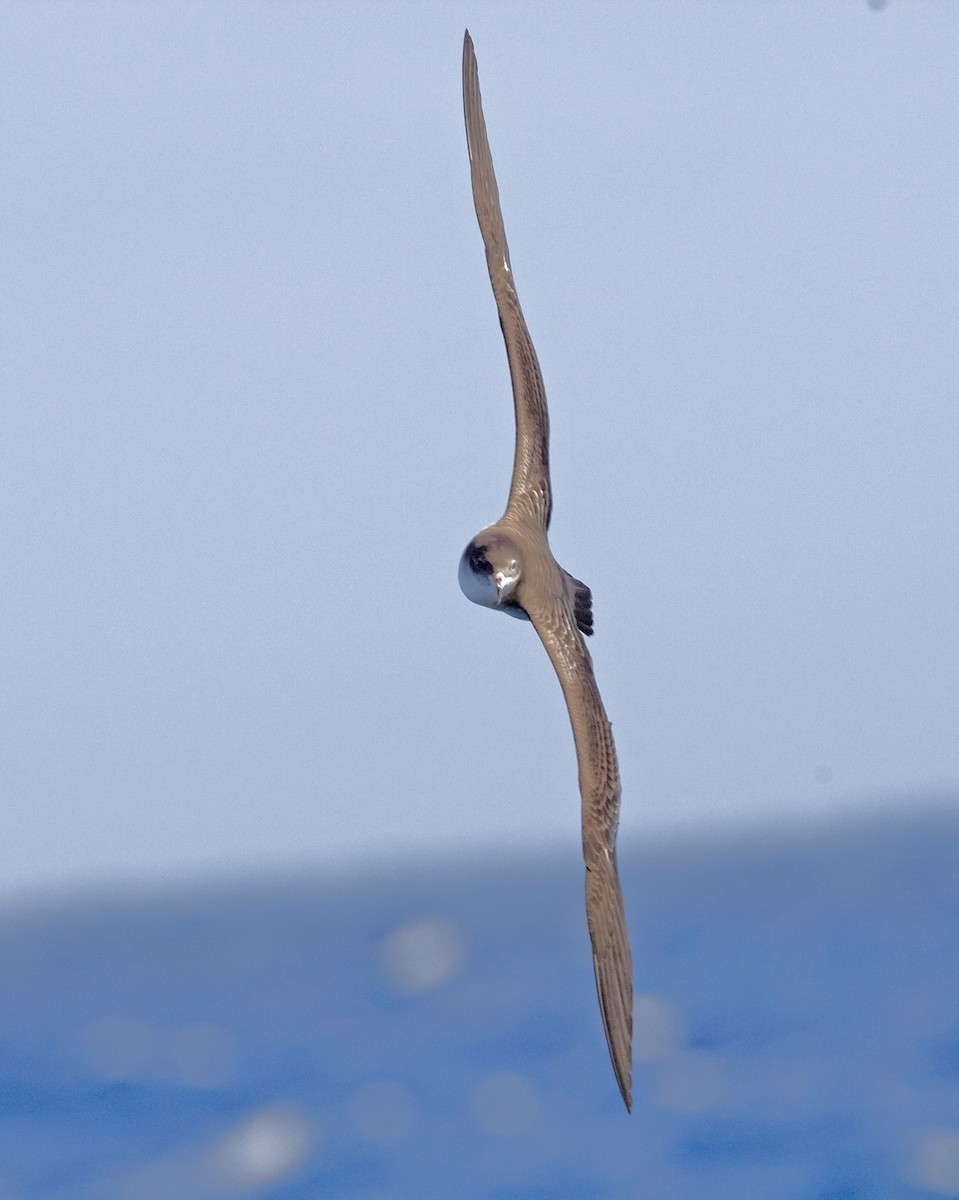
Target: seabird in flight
(509, 567)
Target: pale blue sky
(256, 401)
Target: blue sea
(433, 1033)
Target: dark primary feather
(613, 966)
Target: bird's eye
(477, 559)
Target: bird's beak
(505, 586)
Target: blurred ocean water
(435, 1034)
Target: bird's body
(509, 566)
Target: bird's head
(490, 570)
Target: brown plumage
(510, 566)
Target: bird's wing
(530, 489)
(599, 786)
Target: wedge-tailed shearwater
(509, 567)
